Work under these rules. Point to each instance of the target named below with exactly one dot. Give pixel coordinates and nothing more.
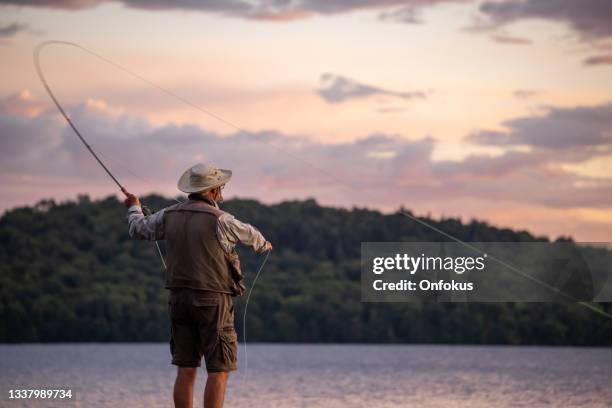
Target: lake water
(373, 376)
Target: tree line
(69, 272)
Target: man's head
(214, 193)
(204, 179)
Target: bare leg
(183, 386)
(214, 393)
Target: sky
(499, 111)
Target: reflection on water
(373, 376)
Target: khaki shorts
(202, 326)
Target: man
(202, 273)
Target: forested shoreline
(70, 273)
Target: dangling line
(244, 315)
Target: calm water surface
(373, 376)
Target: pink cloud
(510, 39)
(599, 60)
(40, 157)
(23, 103)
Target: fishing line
(244, 327)
(339, 181)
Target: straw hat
(203, 177)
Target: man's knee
(187, 373)
(218, 376)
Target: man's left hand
(267, 246)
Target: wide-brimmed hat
(203, 177)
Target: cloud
(11, 29)
(599, 60)
(270, 10)
(591, 19)
(391, 109)
(408, 15)
(59, 4)
(586, 128)
(22, 103)
(40, 157)
(41, 154)
(526, 93)
(510, 39)
(410, 11)
(337, 88)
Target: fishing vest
(194, 256)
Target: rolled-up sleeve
(230, 231)
(145, 227)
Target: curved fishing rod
(61, 110)
(42, 78)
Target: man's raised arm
(141, 226)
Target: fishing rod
(61, 110)
(41, 76)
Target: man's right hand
(130, 199)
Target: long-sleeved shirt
(230, 231)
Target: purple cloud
(586, 127)
(271, 10)
(10, 30)
(599, 60)
(39, 153)
(337, 88)
(591, 19)
(526, 93)
(510, 39)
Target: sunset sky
(495, 110)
